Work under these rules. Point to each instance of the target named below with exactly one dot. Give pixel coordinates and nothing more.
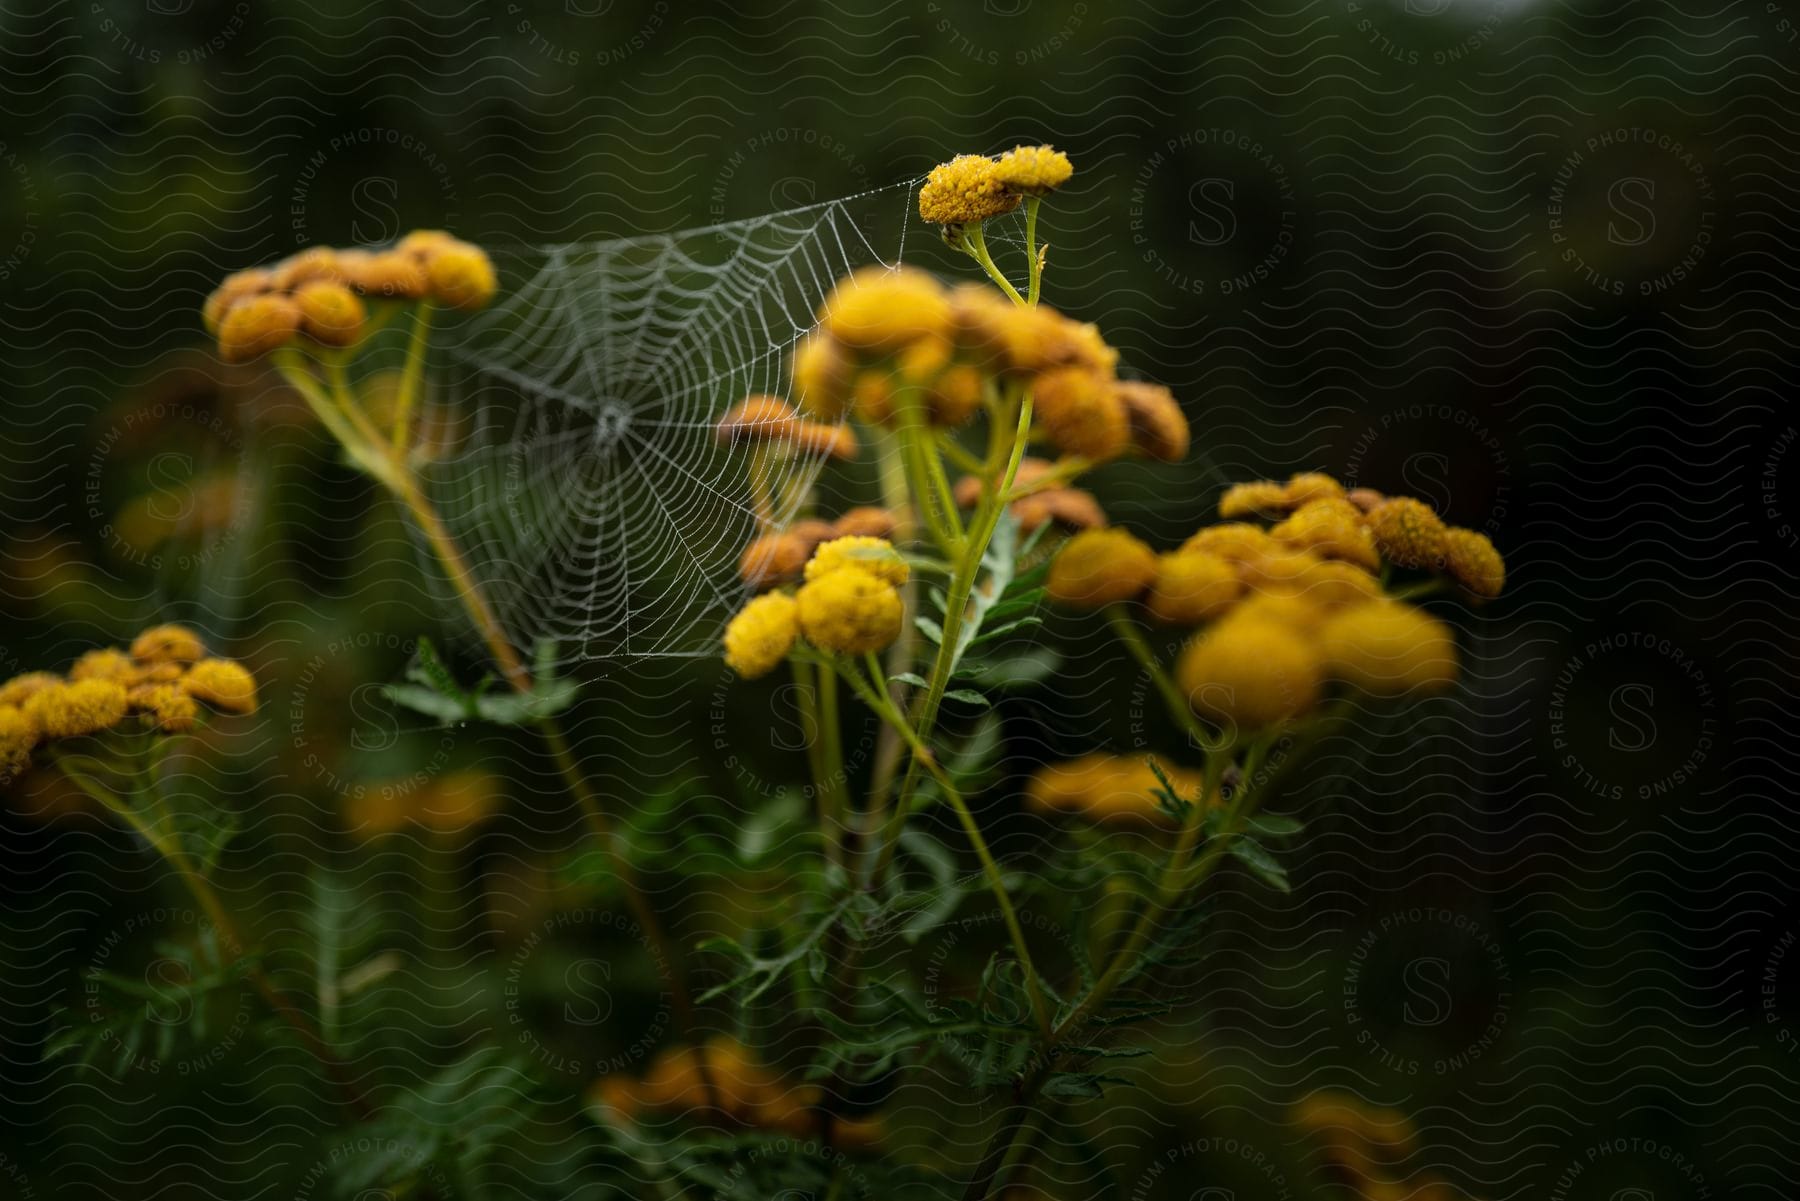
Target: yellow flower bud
(1100, 567)
(1388, 647)
(955, 395)
(82, 707)
(330, 313)
(851, 611)
(866, 520)
(461, 276)
(237, 286)
(1236, 541)
(1111, 789)
(1331, 528)
(1033, 170)
(21, 688)
(223, 684)
(313, 263)
(1250, 672)
(880, 310)
(1192, 586)
(1474, 562)
(964, 190)
(761, 635)
(18, 737)
(876, 556)
(1257, 498)
(1080, 411)
(1310, 486)
(1408, 533)
(822, 372)
(1159, 429)
(171, 709)
(257, 325)
(388, 275)
(167, 644)
(106, 663)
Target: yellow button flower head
(775, 557)
(82, 707)
(1033, 170)
(223, 684)
(257, 325)
(1100, 567)
(106, 663)
(330, 313)
(1330, 584)
(761, 635)
(1333, 529)
(237, 286)
(1474, 562)
(313, 263)
(1237, 541)
(822, 374)
(955, 395)
(1080, 411)
(387, 275)
(851, 611)
(1250, 671)
(866, 520)
(1310, 486)
(1069, 507)
(1256, 498)
(876, 556)
(21, 688)
(171, 709)
(18, 737)
(879, 310)
(168, 644)
(1388, 647)
(968, 188)
(461, 276)
(1192, 586)
(1408, 533)
(1159, 429)
(1112, 789)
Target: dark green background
(1412, 248)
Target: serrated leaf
(1262, 864)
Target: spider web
(586, 486)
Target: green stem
(975, 241)
(1031, 250)
(1128, 633)
(875, 696)
(410, 376)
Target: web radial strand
(582, 477)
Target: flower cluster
(319, 293)
(895, 344)
(163, 678)
(849, 604)
(747, 1091)
(974, 187)
(1286, 610)
(1109, 789)
(1368, 1150)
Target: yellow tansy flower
(1192, 586)
(257, 325)
(880, 310)
(761, 635)
(105, 663)
(330, 313)
(1408, 533)
(18, 736)
(1255, 498)
(1388, 647)
(1310, 486)
(1250, 672)
(1033, 170)
(1473, 561)
(963, 190)
(81, 707)
(1100, 567)
(822, 373)
(876, 556)
(1159, 429)
(1331, 528)
(223, 684)
(851, 611)
(1236, 541)
(167, 644)
(168, 705)
(1080, 411)
(21, 688)
(461, 276)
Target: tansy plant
(1259, 633)
(901, 620)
